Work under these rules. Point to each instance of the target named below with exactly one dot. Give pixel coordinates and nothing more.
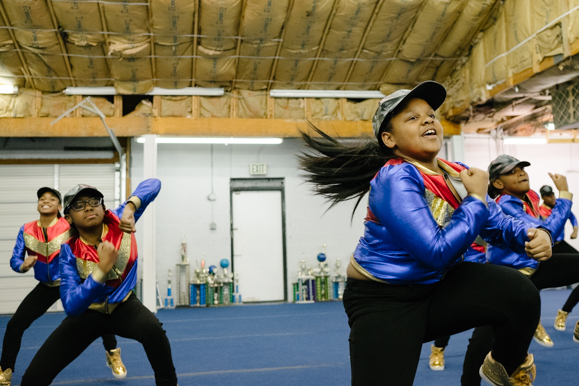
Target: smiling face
(88, 217)
(48, 204)
(516, 182)
(415, 132)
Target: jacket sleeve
(397, 200)
(146, 192)
(504, 231)
(19, 252)
(572, 219)
(76, 295)
(555, 223)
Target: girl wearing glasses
(38, 247)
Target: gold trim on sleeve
(565, 194)
(136, 201)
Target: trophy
(339, 281)
(169, 301)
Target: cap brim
(510, 167)
(41, 191)
(432, 92)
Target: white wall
(183, 207)
(562, 158)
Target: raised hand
(475, 181)
(560, 181)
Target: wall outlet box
(212, 225)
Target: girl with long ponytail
(407, 281)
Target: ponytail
(339, 170)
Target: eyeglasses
(77, 206)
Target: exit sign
(258, 169)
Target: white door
(258, 245)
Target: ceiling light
(156, 91)
(217, 140)
(8, 89)
(353, 94)
(525, 140)
(550, 126)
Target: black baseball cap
(80, 188)
(432, 92)
(45, 189)
(504, 164)
(546, 190)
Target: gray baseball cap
(80, 188)
(504, 164)
(432, 92)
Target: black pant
(389, 323)
(442, 342)
(34, 305)
(573, 299)
(559, 270)
(130, 319)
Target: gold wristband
(136, 201)
(566, 194)
(98, 275)
(478, 198)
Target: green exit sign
(258, 169)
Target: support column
(148, 249)
(457, 148)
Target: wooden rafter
(322, 42)
(61, 42)
(152, 43)
(105, 30)
(377, 9)
(16, 45)
(238, 48)
(195, 39)
(402, 41)
(279, 45)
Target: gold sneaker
(5, 377)
(436, 358)
(116, 364)
(560, 320)
(575, 334)
(542, 337)
(495, 374)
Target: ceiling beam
(279, 45)
(61, 43)
(137, 126)
(239, 39)
(322, 43)
(16, 45)
(402, 41)
(369, 27)
(152, 43)
(195, 39)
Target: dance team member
(407, 282)
(38, 246)
(98, 271)
(510, 186)
(561, 246)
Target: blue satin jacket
(513, 206)
(78, 288)
(407, 245)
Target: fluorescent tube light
(202, 91)
(354, 94)
(217, 140)
(525, 140)
(8, 89)
(156, 91)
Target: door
(258, 244)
